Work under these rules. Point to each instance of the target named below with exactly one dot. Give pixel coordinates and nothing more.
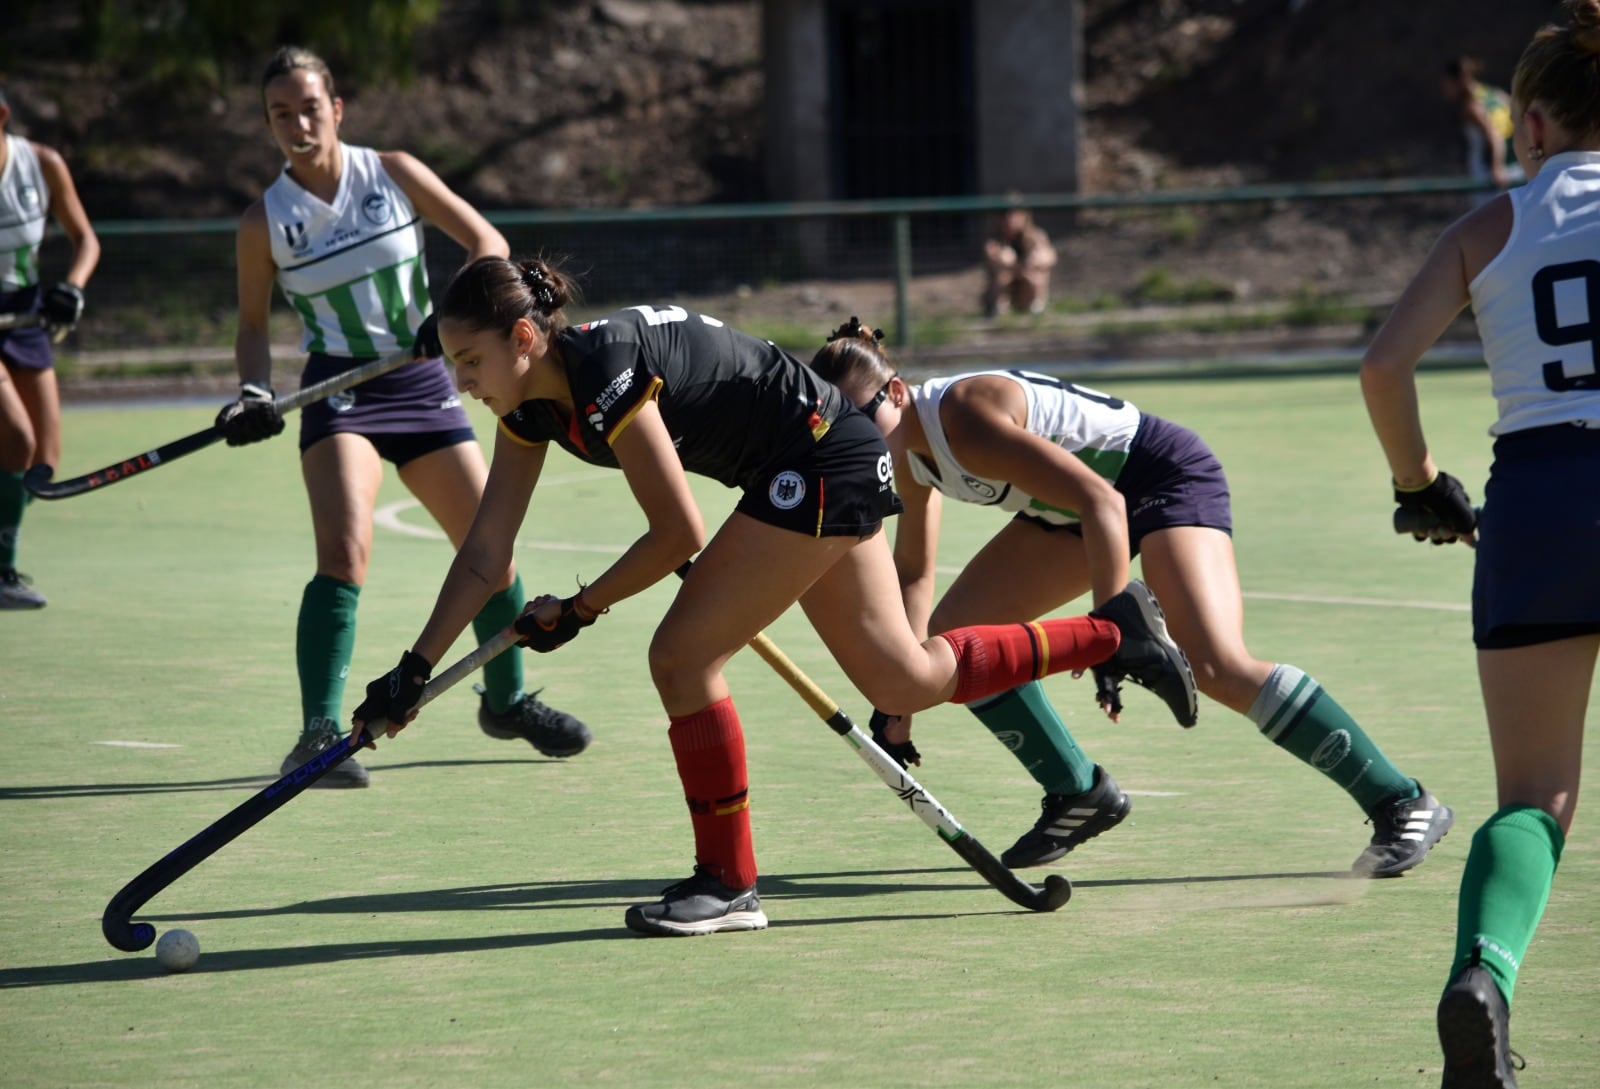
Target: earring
(1536, 153)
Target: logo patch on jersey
(980, 488)
(615, 388)
(885, 468)
(343, 401)
(295, 235)
(597, 419)
(376, 207)
(452, 401)
(787, 489)
(28, 196)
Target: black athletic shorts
(842, 485)
(1534, 575)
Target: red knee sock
(996, 657)
(709, 748)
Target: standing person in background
(659, 393)
(35, 185)
(1485, 114)
(341, 233)
(1092, 482)
(1017, 264)
(1525, 261)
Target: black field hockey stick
(38, 479)
(1057, 889)
(116, 921)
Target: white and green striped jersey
(24, 210)
(1095, 426)
(353, 270)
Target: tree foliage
(204, 44)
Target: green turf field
(460, 923)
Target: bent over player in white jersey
(1526, 261)
(1091, 482)
(340, 232)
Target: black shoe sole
(1469, 1037)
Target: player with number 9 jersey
(1526, 262)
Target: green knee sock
(13, 497)
(1297, 714)
(1026, 724)
(1504, 889)
(324, 639)
(502, 674)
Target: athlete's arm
(485, 554)
(675, 527)
(252, 345)
(437, 203)
(985, 422)
(67, 210)
(916, 544)
(1425, 309)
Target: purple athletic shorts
(406, 413)
(1171, 478)
(28, 346)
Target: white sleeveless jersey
(1537, 303)
(24, 209)
(1097, 427)
(353, 270)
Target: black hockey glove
(543, 638)
(902, 752)
(427, 344)
(61, 307)
(252, 418)
(1439, 511)
(393, 697)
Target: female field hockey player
(1525, 261)
(1091, 482)
(341, 234)
(35, 185)
(660, 392)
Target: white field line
(137, 744)
(388, 517)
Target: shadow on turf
(107, 790)
(537, 895)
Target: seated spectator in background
(1485, 122)
(1018, 259)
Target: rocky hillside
(610, 102)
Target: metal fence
(166, 289)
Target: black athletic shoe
(16, 593)
(1148, 657)
(1475, 1033)
(699, 904)
(1068, 820)
(347, 774)
(1403, 832)
(552, 732)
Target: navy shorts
(842, 486)
(406, 413)
(28, 346)
(1535, 577)
(1171, 478)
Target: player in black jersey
(660, 392)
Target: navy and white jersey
(1537, 303)
(353, 269)
(1097, 427)
(24, 209)
(732, 403)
